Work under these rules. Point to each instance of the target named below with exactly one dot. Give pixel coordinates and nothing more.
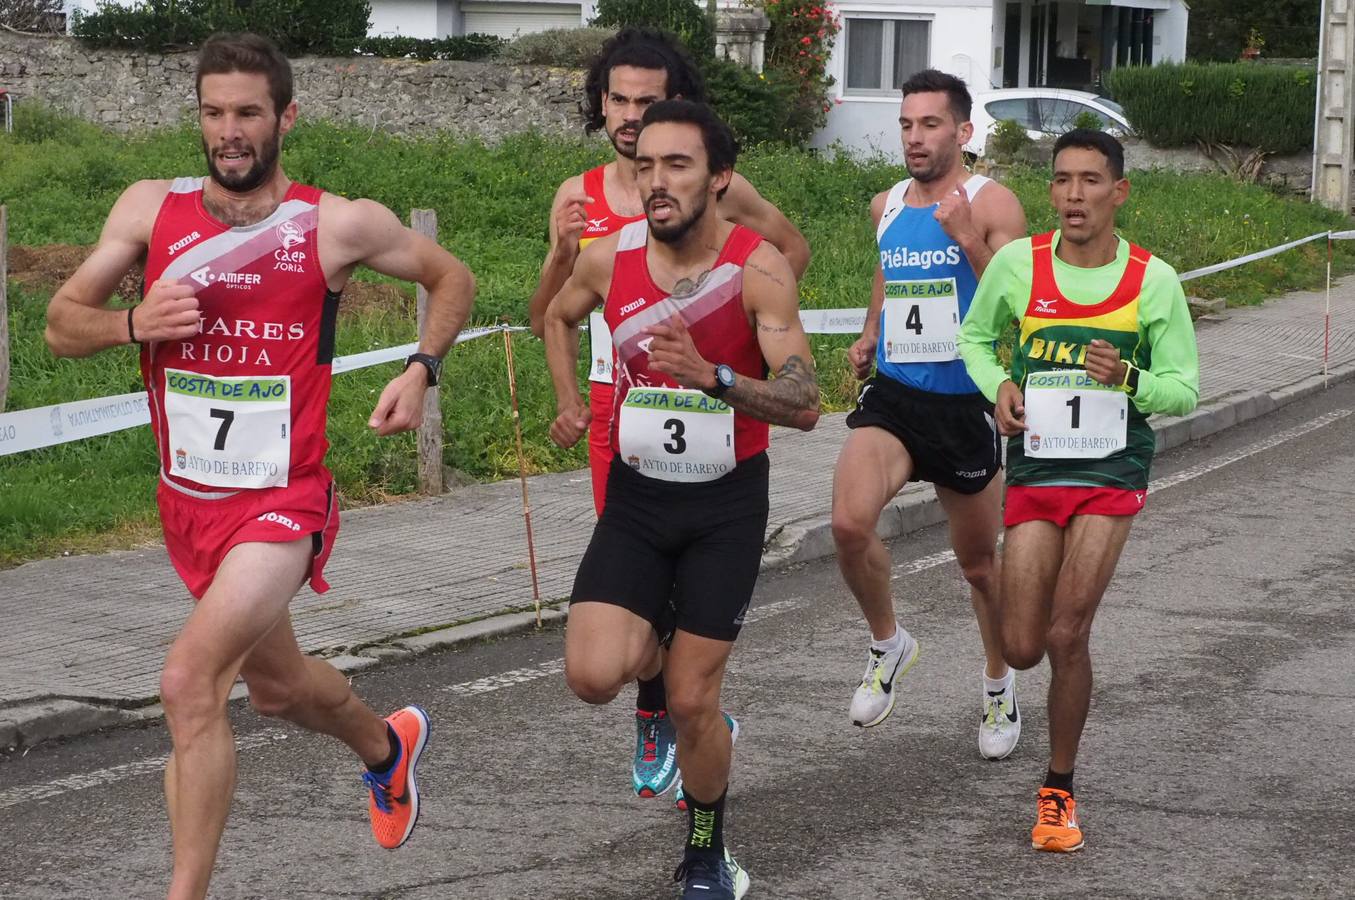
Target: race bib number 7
(1070, 415)
(229, 432)
(675, 434)
(921, 320)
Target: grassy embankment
(60, 177)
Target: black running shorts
(682, 556)
(952, 438)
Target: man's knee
(593, 684)
(690, 703)
(852, 531)
(981, 573)
(187, 693)
(1022, 652)
(1068, 639)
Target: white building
(988, 43)
(505, 18)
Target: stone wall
(129, 90)
(1288, 173)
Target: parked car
(1045, 112)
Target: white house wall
(961, 44)
(404, 18)
(1170, 27)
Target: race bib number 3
(229, 432)
(921, 321)
(1069, 415)
(600, 349)
(675, 434)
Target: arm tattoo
(772, 329)
(791, 398)
(776, 278)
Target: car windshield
(1111, 105)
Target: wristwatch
(430, 362)
(724, 380)
(1131, 379)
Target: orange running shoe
(1056, 828)
(394, 800)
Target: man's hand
(169, 313)
(1010, 410)
(955, 215)
(571, 423)
(570, 218)
(861, 355)
(673, 353)
(1104, 363)
(401, 405)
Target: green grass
(59, 179)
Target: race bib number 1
(675, 434)
(921, 321)
(1070, 415)
(229, 432)
(600, 349)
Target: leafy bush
(1009, 142)
(1267, 107)
(799, 44)
(1088, 120)
(756, 108)
(572, 47)
(298, 26)
(682, 17)
(467, 47)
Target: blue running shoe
(655, 767)
(680, 799)
(710, 877)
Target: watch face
(725, 375)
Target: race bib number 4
(1069, 415)
(600, 349)
(229, 432)
(921, 321)
(675, 434)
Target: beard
(938, 165)
(675, 228)
(265, 162)
(622, 149)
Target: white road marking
(155, 765)
(1158, 484)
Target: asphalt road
(1216, 761)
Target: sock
(706, 825)
(1061, 780)
(890, 645)
(384, 767)
(653, 695)
(998, 685)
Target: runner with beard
(635, 69)
(244, 269)
(921, 416)
(700, 309)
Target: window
(883, 53)
(1022, 110)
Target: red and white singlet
(242, 404)
(660, 429)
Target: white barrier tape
(1253, 257)
(833, 321)
(29, 429)
(1343, 235)
(47, 426)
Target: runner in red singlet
(635, 69)
(244, 269)
(700, 309)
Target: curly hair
(643, 48)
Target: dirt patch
(44, 269)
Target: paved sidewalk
(85, 636)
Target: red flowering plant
(799, 44)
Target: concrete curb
(809, 539)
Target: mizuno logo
(597, 224)
(1045, 306)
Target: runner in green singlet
(1104, 340)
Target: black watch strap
(430, 362)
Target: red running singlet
(714, 315)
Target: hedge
(1267, 107)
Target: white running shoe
(1001, 725)
(874, 698)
